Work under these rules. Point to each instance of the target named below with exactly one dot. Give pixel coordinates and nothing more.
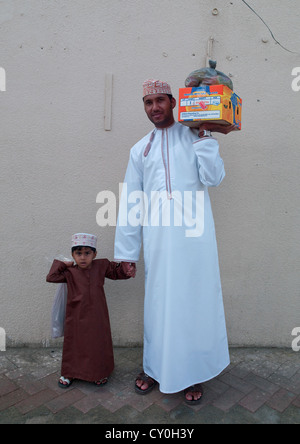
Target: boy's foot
(65, 382)
(193, 394)
(101, 382)
(144, 384)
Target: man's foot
(144, 384)
(193, 394)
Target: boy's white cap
(84, 240)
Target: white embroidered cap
(155, 87)
(84, 240)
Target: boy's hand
(68, 263)
(129, 269)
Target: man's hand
(217, 127)
(129, 268)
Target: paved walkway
(260, 386)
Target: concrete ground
(261, 386)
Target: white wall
(56, 156)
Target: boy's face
(84, 257)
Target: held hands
(129, 268)
(216, 127)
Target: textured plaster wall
(56, 155)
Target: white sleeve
(210, 163)
(128, 236)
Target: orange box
(215, 103)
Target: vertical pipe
(108, 101)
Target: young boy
(87, 348)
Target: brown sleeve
(115, 271)
(57, 272)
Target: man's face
(159, 109)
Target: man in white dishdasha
(185, 338)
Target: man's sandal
(194, 389)
(65, 382)
(146, 379)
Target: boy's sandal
(65, 382)
(101, 382)
(194, 389)
(148, 380)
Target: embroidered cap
(155, 87)
(84, 240)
